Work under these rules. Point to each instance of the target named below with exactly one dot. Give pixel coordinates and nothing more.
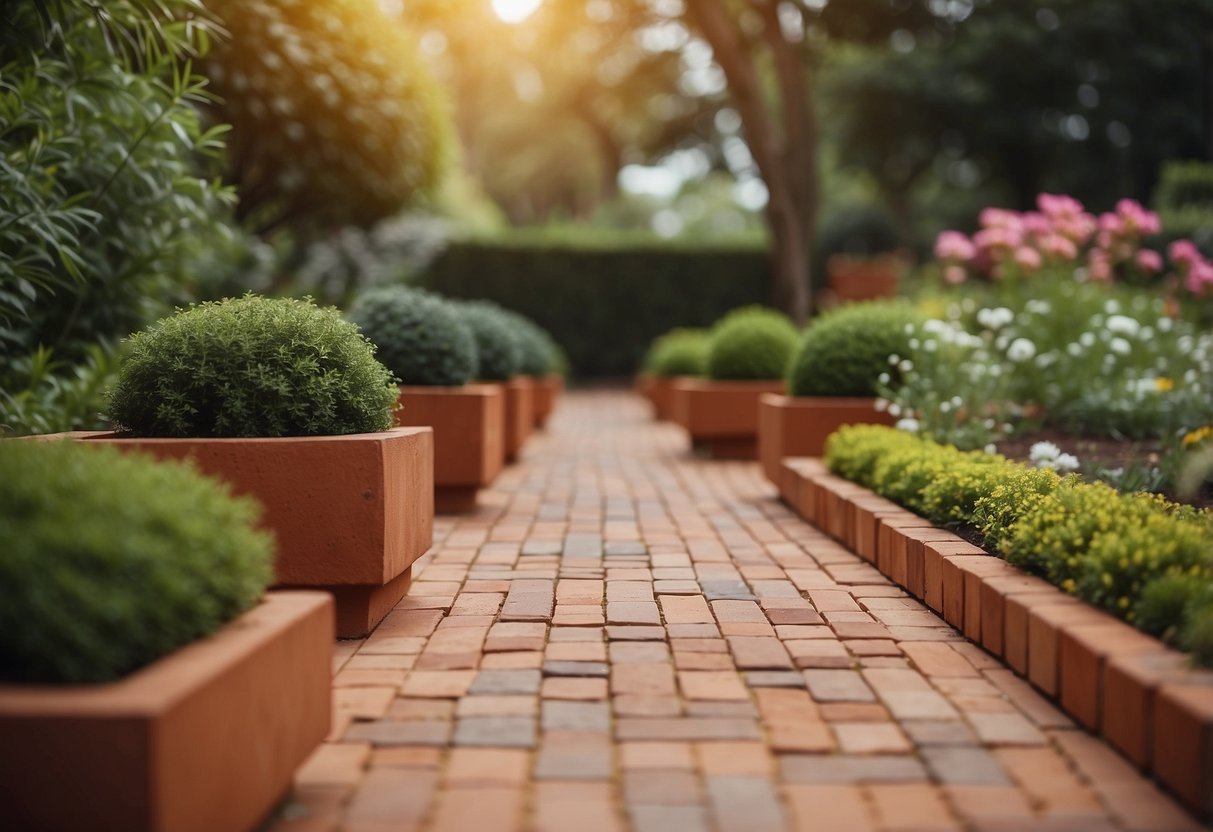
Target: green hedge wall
(603, 304)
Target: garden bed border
(1142, 697)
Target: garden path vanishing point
(626, 637)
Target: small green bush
(111, 560)
(680, 352)
(420, 337)
(844, 351)
(751, 343)
(498, 347)
(535, 346)
(1138, 556)
(252, 367)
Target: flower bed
(1144, 698)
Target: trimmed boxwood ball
(252, 367)
(750, 344)
(498, 348)
(680, 352)
(421, 337)
(845, 350)
(534, 343)
(111, 560)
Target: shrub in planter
(112, 561)
(426, 342)
(499, 351)
(252, 367)
(680, 352)
(844, 352)
(287, 402)
(420, 337)
(750, 344)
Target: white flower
(906, 365)
(944, 407)
(1123, 325)
(1065, 463)
(1043, 451)
(1074, 349)
(881, 405)
(1087, 339)
(1165, 324)
(929, 346)
(914, 344)
(991, 448)
(894, 410)
(883, 378)
(909, 329)
(957, 401)
(995, 318)
(908, 425)
(1021, 349)
(894, 359)
(1120, 346)
(1111, 307)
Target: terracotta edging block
(469, 437)
(548, 390)
(1083, 649)
(1129, 686)
(994, 591)
(799, 425)
(798, 479)
(934, 553)
(1183, 742)
(207, 738)
(903, 558)
(347, 511)
(1045, 625)
(722, 416)
(519, 414)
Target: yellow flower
(1164, 385)
(1198, 435)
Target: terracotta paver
(627, 638)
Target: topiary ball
(498, 347)
(845, 350)
(252, 367)
(680, 352)
(535, 345)
(421, 337)
(751, 343)
(112, 560)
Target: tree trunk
(782, 138)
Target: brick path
(629, 638)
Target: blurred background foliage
(154, 152)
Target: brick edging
(1139, 695)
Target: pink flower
(1056, 205)
(955, 275)
(1183, 252)
(1098, 266)
(1027, 258)
(1138, 219)
(1200, 278)
(999, 218)
(954, 246)
(1037, 224)
(1149, 260)
(1058, 247)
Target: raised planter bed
(547, 395)
(790, 426)
(351, 513)
(1142, 697)
(721, 416)
(519, 414)
(208, 738)
(469, 438)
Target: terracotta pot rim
(390, 433)
(471, 388)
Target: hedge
(1137, 556)
(603, 304)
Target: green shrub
(751, 343)
(1138, 556)
(845, 351)
(498, 347)
(252, 367)
(1185, 185)
(585, 292)
(535, 346)
(335, 116)
(680, 352)
(112, 560)
(420, 337)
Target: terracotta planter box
(519, 414)
(351, 513)
(721, 416)
(1141, 696)
(206, 739)
(799, 425)
(864, 278)
(547, 395)
(469, 438)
